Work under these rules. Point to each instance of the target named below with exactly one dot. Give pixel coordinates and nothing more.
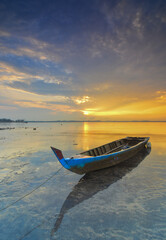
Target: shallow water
(124, 202)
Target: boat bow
(60, 157)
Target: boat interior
(114, 146)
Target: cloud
(9, 74)
(28, 46)
(26, 99)
(81, 100)
(140, 110)
(7, 107)
(45, 105)
(161, 98)
(4, 34)
(19, 94)
(24, 73)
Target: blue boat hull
(83, 163)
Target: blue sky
(78, 60)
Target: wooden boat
(94, 182)
(103, 156)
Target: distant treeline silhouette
(9, 120)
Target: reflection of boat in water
(93, 182)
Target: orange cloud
(80, 100)
(7, 107)
(45, 105)
(19, 94)
(140, 110)
(161, 96)
(11, 74)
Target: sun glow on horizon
(85, 112)
(153, 108)
(140, 110)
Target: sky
(83, 60)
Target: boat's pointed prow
(57, 153)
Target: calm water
(124, 202)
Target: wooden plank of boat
(103, 156)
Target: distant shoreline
(64, 121)
(4, 120)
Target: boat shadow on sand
(93, 182)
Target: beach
(39, 199)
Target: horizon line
(95, 121)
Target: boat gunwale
(108, 155)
